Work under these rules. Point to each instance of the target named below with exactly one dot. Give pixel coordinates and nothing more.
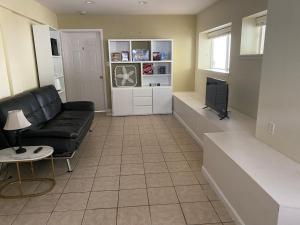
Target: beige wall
(279, 99)
(245, 71)
(179, 28)
(18, 62)
(4, 82)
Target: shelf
(120, 62)
(161, 85)
(161, 61)
(156, 75)
(141, 57)
(56, 56)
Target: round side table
(9, 155)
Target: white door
(162, 100)
(83, 65)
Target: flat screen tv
(217, 96)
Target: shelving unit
(153, 62)
(49, 58)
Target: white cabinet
(142, 110)
(122, 101)
(162, 100)
(142, 92)
(141, 72)
(142, 101)
(49, 58)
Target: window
(261, 22)
(220, 52)
(253, 34)
(214, 49)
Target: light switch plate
(271, 128)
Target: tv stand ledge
(189, 109)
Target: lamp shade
(16, 120)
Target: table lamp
(16, 120)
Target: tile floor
(129, 171)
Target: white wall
(279, 99)
(245, 71)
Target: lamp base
(21, 150)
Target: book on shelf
(148, 69)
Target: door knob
(101, 77)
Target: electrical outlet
(271, 128)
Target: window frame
(227, 59)
(262, 38)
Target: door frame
(100, 32)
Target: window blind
(261, 21)
(218, 33)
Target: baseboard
(109, 112)
(191, 132)
(233, 213)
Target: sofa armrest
(79, 106)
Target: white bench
(259, 185)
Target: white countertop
(278, 175)
(237, 121)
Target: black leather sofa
(60, 125)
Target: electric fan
(125, 76)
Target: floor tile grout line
(79, 210)
(60, 194)
(146, 185)
(178, 200)
(217, 211)
(117, 210)
(92, 185)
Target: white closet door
(162, 100)
(83, 67)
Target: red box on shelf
(148, 69)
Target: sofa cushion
(30, 107)
(61, 144)
(79, 106)
(49, 101)
(68, 124)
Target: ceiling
(129, 7)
